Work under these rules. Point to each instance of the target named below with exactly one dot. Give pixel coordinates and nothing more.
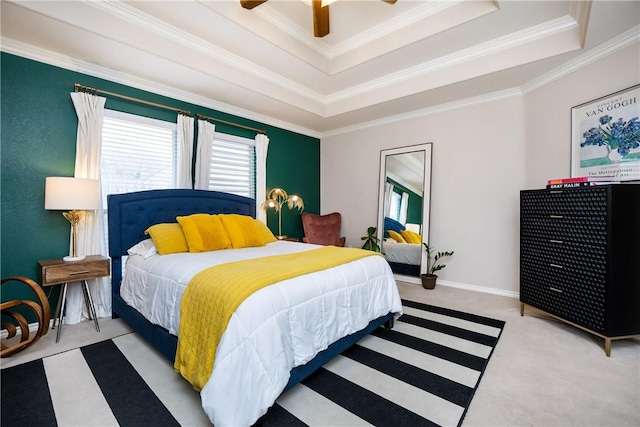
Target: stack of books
(580, 181)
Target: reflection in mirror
(403, 207)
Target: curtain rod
(81, 88)
(211, 119)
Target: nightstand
(59, 272)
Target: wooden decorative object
(40, 308)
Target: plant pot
(428, 280)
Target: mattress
(276, 329)
(403, 253)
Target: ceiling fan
(320, 14)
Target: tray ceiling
(378, 61)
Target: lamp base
(281, 237)
(70, 258)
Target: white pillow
(146, 248)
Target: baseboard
(475, 288)
(33, 328)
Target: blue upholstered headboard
(392, 224)
(130, 214)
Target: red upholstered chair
(322, 229)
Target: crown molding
(41, 55)
(436, 109)
(121, 10)
(622, 41)
(289, 27)
(473, 53)
(593, 55)
(581, 11)
(304, 36)
(62, 61)
(400, 22)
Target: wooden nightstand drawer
(56, 271)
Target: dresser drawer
(579, 229)
(560, 254)
(587, 201)
(575, 295)
(56, 271)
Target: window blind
(233, 165)
(138, 153)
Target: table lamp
(276, 198)
(75, 195)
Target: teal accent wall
(38, 139)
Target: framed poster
(605, 136)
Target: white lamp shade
(66, 193)
(413, 227)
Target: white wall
(478, 168)
(548, 111)
(482, 157)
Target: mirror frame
(426, 200)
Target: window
(394, 210)
(138, 153)
(233, 165)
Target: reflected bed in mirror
(403, 208)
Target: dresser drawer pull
(556, 265)
(556, 216)
(556, 241)
(555, 290)
(75, 273)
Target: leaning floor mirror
(403, 209)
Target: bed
(404, 258)
(132, 213)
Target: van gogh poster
(606, 136)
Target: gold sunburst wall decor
(276, 199)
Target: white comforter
(403, 253)
(274, 330)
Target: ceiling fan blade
(320, 19)
(250, 4)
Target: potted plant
(371, 240)
(429, 278)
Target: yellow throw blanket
(214, 294)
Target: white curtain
(90, 111)
(404, 207)
(262, 147)
(185, 150)
(388, 192)
(206, 132)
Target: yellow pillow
(204, 232)
(168, 238)
(411, 236)
(242, 231)
(267, 235)
(396, 236)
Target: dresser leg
(607, 346)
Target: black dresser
(580, 257)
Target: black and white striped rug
(423, 372)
